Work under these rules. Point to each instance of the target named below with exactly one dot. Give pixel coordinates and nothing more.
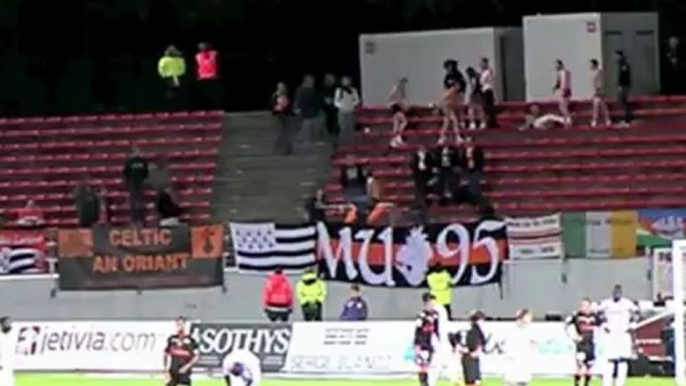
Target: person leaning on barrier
(311, 295)
(277, 297)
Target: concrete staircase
(255, 183)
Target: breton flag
(266, 246)
(22, 251)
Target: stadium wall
(522, 285)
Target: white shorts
(618, 346)
(238, 381)
(517, 372)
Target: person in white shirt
(346, 99)
(598, 98)
(563, 86)
(442, 355)
(520, 349)
(619, 314)
(487, 83)
(7, 350)
(242, 368)
(535, 120)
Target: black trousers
(623, 99)
(312, 312)
(278, 316)
(489, 108)
(284, 140)
(137, 203)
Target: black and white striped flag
(266, 246)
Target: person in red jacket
(277, 297)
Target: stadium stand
(43, 158)
(541, 171)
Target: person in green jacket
(311, 295)
(171, 67)
(438, 281)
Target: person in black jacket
(472, 348)
(422, 166)
(453, 75)
(135, 174)
(447, 161)
(315, 207)
(472, 164)
(624, 86)
(167, 208)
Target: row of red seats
(103, 158)
(517, 117)
(394, 160)
(70, 210)
(178, 115)
(43, 198)
(552, 167)
(109, 183)
(518, 195)
(120, 220)
(163, 129)
(535, 181)
(207, 167)
(109, 144)
(514, 105)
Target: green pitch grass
(72, 380)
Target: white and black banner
(266, 246)
(269, 342)
(535, 237)
(402, 256)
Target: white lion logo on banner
(412, 259)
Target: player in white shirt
(619, 314)
(442, 356)
(520, 348)
(7, 350)
(242, 368)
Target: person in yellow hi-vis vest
(438, 281)
(171, 67)
(311, 295)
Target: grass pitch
(83, 380)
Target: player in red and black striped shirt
(581, 327)
(180, 355)
(425, 336)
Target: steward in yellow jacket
(311, 295)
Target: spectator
(624, 87)
(277, 297)
(422, 165)
(311, 294)
(439, 284)
(534, 119)
(473, 166)
(308, 105)
(328, 92)
(455, 83)
(474, 100)
(447, 160)
(487, 81)
(30, 215)
(352, 178)
(355, 308)
(346, 101)
(450, 107)
(315, 207)
(171, 68)
(674, 67)
(399, 125)
(168, 209)
(87, 204)
(135, 174)
(160, 174)
(598, 99)
(209, 86)
(378, 207)
(398, 94)
(281, 109)
(105, 207)
(563, 86)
